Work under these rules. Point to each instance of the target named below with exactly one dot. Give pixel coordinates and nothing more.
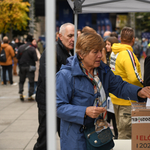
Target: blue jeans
(7, 78)
(35, 86)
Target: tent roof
(109, 6)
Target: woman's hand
(144, 92)
(94, 112)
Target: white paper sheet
(110, 106)
(148, 102)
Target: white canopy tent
(78, 6)
(106, 6)
(109, 6)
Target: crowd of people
(99, 81)
(99, 74)
(20, 56)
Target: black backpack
(2, 56)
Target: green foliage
(142, 21)
(13, 15)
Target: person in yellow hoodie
(124, 63)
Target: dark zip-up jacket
(26, 56)
(62, 54)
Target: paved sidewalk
(18, 120)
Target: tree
(13, 15)
(143, 21)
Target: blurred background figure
(106, 35)
(27, 57)
(144, 46)
(109, 42)
(79, 31)
(57, 36)
(8, 64)
(7, 78)
(114, 34)
(15, 45)
(40, 46)
(137, 48)
(36, 73)
(148, 50)
(88, 29)
(106, 51)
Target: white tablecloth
(122, 145)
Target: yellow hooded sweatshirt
(121, 64)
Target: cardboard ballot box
(140, 118)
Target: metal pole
(75, 31)
(50, 74)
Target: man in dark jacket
(64, 46)
(26, 57)
(41, 101)
(64, 49)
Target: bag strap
(134, 66)
(24, 50)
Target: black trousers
(9, 68)
(111, 116)
(58, 126)
(23, 74)
(41, 141)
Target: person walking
(36, 74)
(26, 57)
(8, 64)
(124, 63)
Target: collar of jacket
(73, 64)
(62, 46)
(118, 47)
(4, 45)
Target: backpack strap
(134, 66)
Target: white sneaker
(14, 84)
(33, 96)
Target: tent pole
(50, 75)
(75, 31)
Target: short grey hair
(63, 27)
(5, 39)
